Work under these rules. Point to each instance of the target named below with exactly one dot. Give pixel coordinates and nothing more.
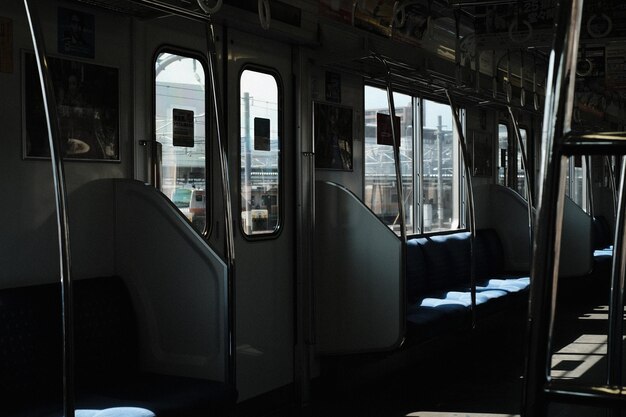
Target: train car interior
(312, 208)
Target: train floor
(481, 374)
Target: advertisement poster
(76, 33)
(87, 97)
(332, 134)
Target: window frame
(417, 100)
(209, 125)
(507, 165)
(281, 160)
(530, 160)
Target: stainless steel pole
(470, 199)
(529, 186)
(616, 303)
(228, 211)
(547, 237)
(58, 176)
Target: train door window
(521, 178)
(259, 153)
(440, 168)
(180, 128)
(380, 175)
(503, 154)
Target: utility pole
(439, 169)
(247, 179)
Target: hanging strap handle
(265, 13)
(210, 10)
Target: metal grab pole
(609, 164)
(470, 200)
(548, 225)
(616, 304)
(228, 211)
(396, 152)
(58, 176)
(399, 189)
(589, 177)
(529, 186)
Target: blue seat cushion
(426, 322)
(508, 285)
(446, 260)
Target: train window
(180, 128)
(503, 154)
(259, 153)
(441, 168)
(430, 176)
(380, 175)
(521, 178)
(576, 187)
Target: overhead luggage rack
(414, 77)
(594, 143)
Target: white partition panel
(504, 210)
(177, 282)
(359, 283)
(576, 241)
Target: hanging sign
(261, 134)
(182, 132)
(384, 135)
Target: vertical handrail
(589, 177)
(396, 150)
(228, 211)
(470, 200)
(58, 176)
(399, 188)
(548, 225)
(609, 164)
(529, 186)
(616, 303)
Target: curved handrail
(396, 150)
(529, 186)
(58, 176)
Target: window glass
(430, 172)
(440, 188)
(521, 177)
(260, 153)
(577, 183)
(503, 150)
(180, 128)
(381, 194)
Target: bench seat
(438, 282)
(107, 369)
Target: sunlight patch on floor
(598, 313)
